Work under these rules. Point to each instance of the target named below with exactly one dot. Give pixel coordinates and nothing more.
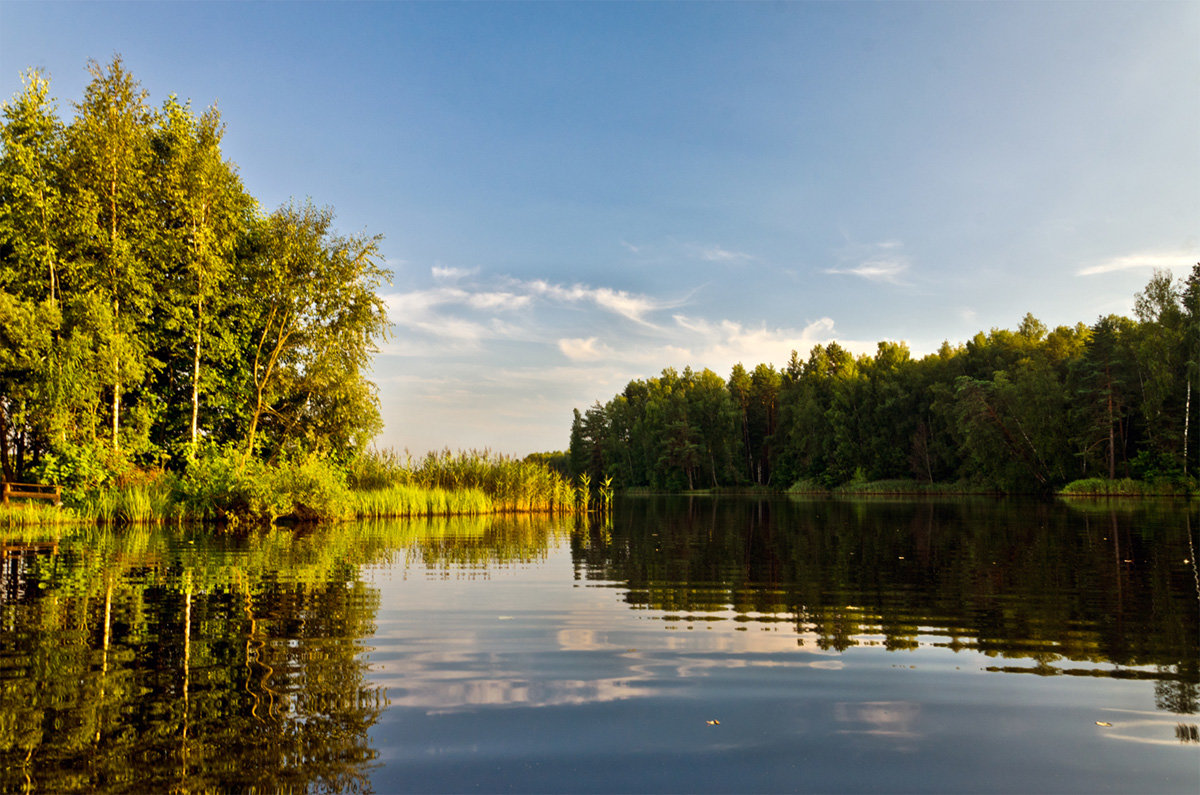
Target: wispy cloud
(461, 310)
(589, 349)
(719, 254)
(700, 343)
(884, 261)
(628, 305)
(880, 269)
(1181, 258)
(447, 274)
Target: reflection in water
(158, 660)
(1079, 589)
(173, 660)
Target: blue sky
(573, 195)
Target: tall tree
(1102, 381)
(203, 211)
(1190, 301)
(316, 320)
(108, 161)
(31, 202)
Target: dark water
(683, 646)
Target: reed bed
(150, 502)
(217, 487)
(509, 485)
(1123, 487)
(30, 515)
(413, 501)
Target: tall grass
(1122, 487)
(29, 515)
(219, 487)
(509, 485)
(412, 501)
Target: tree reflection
(179, 662)
(1041, 581)
(175, 660)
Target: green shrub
(79, 469)
(313, 488)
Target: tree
(25, 343)
(108, 160)
(31, 201)
(315, 320)
(203, 211)
(711, 412)
(1160, 354)
(1101, 389)
(1190, 303)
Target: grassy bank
(1125, 487)
(219, 488)
(895, 487)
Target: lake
(680, 645)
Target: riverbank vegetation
(218, 486)
(1034, 410)
(170, 351)
(150, 310)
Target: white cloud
(878, 269)
(722, 344)
(718, 254)
(877, 262)
(501, 300)
(628, 305)
(446, 274)
(589, 349)
(1182, 258)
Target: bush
(217, 486)
(313, 488)
(81, 470)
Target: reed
(412, 501)
(1122, 487)
(510, 485)
(30, 515)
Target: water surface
(694, 645)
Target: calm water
(684, 646)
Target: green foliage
(1021, 411)
(148, 307)
(312, 488)
(1122, 487)
(80, 470)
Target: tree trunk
(4, 462)
(1112, 441)
(196, 379)
(1187, 416)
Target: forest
(1026, 411)
(149, 307)
(155, 320)
(170, 350)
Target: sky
(575, 195)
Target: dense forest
(149, 309)
(1026, 411)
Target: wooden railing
(32, 491)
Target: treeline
(150, 309)
(1017, 411)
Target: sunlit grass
(466, 482)
(1121, 487)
